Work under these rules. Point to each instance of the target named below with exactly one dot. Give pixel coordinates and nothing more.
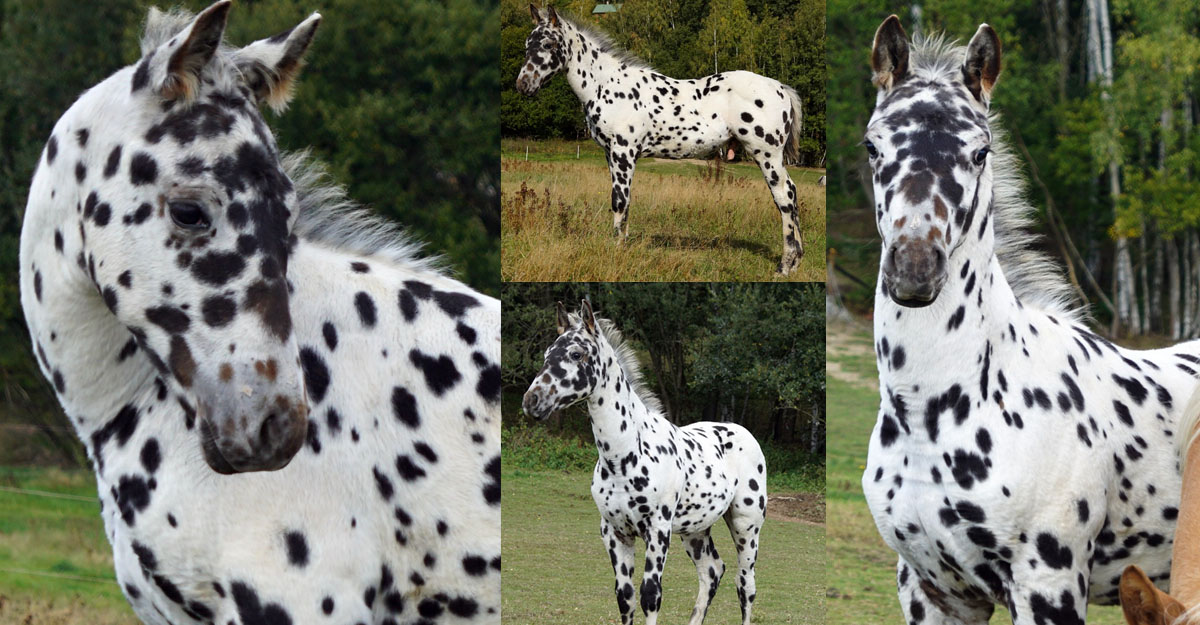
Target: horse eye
(189, 215)
(576, 355)
(871, 149)
(981, 155)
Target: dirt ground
(803, 507)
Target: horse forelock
(1035, 277)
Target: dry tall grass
(688, 221)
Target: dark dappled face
(189, 233)
(929, 146)
(571, 368)
(545, 52)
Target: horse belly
(693, 134)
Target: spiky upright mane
(329, 217)
(603, 41)
(627, 360)
(1035, 277)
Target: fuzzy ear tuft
(982, 65)
(173, 69)
(1142, 603)
(589, 320)
(562, 319)
(270, 66)
(889, 54)
(535, 14)
(553, 15)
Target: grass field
(687, 221)
(861, 579)
(55, 564)
(556, 569)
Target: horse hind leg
(709, 568)
(745, 521)
(783, 191)
(621, 554)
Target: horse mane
(627, 360)
(327, 215)
(605, 42)
(1034, 276)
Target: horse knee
(651, 594)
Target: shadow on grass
(680, 242)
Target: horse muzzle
(239, 444)
(526, 85)
(914, 272)
(537, 403)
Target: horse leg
(709, 568)
(658, 540)
(620, 168)
(924, 603)
(770, 161)
(621, 554)
(745, 521)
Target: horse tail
(1187, 429)
(791, 147)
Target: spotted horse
(1018, 458)
(652, 478)
(633, 111)
(292, 418)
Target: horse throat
(975, 304)
(618, 415)
(91, 360)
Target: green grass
(861, 575)
(55, 563)
(556, 570)
(687, 220)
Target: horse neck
(975, 283)
(617, 433)
(75, 337)
(587, 73)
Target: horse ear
(563, 319)
(174, 67)
(535, 14)
(270, 66)
(553, 15)
(589, 320)
(1142, 603)
(982, 67)
(889, 54)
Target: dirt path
(840, 341)
(798, 507)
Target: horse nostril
(267, 431)
(939, 259)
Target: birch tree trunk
(1101, 69)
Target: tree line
(752, 354)
(398, 98)
(1100, 99)
(782, 39)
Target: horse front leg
(620, 169)
(658, 541)
(924, 603)
(621, 554)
